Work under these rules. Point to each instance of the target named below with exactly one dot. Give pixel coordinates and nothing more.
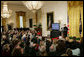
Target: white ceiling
(13, 2)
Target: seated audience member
(64, 55)
(15, 42)
(14, 37)
(17, 52)
(60, 49)
(5, 40)
(69, 52)
(40, 37)
(42, 44)
(61, 38)
(68, 44)
(48, 44)
(53, 47)
(30, 34)
(67, 38)
(54, 44)
(42, 50)
(24, 36)
(76, 52)
(74, 44)
(6, 50)
(81, 47)
(27, 49)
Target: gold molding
(75, 3)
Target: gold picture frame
(50, 20)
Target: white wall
(60, 13)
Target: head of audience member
(48, 42)
(52, 48)
(69, 52)
(61, 45)
(27, 43)
(67, 38)
(54, 41)
(16, 52)
(22, 45)
(41, 43)
(14, 36)
(82, 40)
(6, 48)
(64, 55)
(42, 48)
(74, 38)
(15, 42)
(4, 37)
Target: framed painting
(50, 20)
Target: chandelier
(5, 13)
(33, 5)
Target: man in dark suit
(65, 30)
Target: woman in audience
(42, 49)
(53, 48)
(18, 49)
(16, 52)
(6, 50)
(60, 49)
(75, 44)
(76, 52)
(81, 47)
(27, 49)
(5, 40)
(48, 44)
(69, 52)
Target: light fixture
(5, 13)
(33, 5)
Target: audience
(31, 43)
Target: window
(21, 21)
(30, 23)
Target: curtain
(17, 20)
(81, 10)
(24, 20)
(18, 14)
(4, 23)
(74, 18)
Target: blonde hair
(54, 41)
(4, 36)
(64, 55)
(6, 47)
(69, 52)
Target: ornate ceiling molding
(75, 3)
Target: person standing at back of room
(65, 30)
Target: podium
(55, 33)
